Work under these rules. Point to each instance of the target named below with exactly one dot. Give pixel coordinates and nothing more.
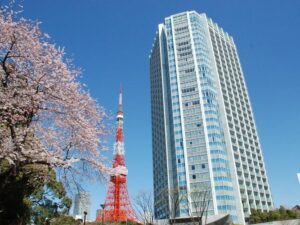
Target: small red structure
(117, 206)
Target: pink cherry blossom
(45, 114)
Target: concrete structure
(211, 220)
(82, 203)
(204, 136)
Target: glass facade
(82, 204)
(202, 122)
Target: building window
(194, 176)
(203, 166)
(193, 167)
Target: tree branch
(3, 62)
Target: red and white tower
(117, 206)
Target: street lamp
(84, 217)
(55, 209)
(102, 206)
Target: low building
(210, 220)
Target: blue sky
(111, 40)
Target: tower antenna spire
(120, 108)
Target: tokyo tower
(117, 206)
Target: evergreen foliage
(31, 194)
(258, 216)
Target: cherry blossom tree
(46, 116)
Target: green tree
(31, 194)
(63, 220)
(50, 201)
(282, 213)
(292, 214)
(255, 216)
(274, 215)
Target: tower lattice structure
(117, 206)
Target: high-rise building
(82, 203)
(204, 136)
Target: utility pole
(84, 217)
(102, 206)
